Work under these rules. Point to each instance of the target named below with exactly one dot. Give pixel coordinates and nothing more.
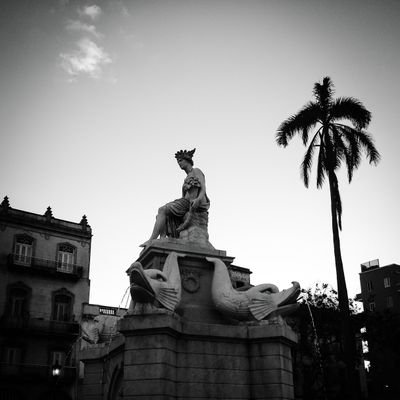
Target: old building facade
(380, 293)
(380, 287)
(44, 282)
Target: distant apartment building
(44, 283)
(380, 287)
(380, 294)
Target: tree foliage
(338, 136)
(324, 296)
(333, 142)
(319, 357)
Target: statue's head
(185, 155)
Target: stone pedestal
(195, 352)
(167, 358)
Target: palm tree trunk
(349, 343)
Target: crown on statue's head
(184, 154)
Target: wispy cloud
(125, 11)
(88, 59)
(93, 11)
(78, 26)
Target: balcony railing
(72, 271)
(27, 372)
(39, 326)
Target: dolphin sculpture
(257, 303)
(151, 285)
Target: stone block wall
(165, 358)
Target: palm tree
(336, 143)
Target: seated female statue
(177, 215)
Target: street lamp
(56, 370)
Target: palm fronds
(302, 122)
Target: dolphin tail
(287, 296)
(168, 297)
(171, 267)
(283, 302)
(261, 308)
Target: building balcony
(37, 373)
(44, 266)
(38, 326)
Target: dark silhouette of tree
(325, 297)
(319, 370)
(336, 143)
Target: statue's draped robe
(178, 208)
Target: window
(389, 302)
(372, 306)
(12, 355)
(370, 287)
(62, 308)
(364, 344)
(386, 282)
(57, 357)
(18, 300)
(18, 303)
(62, 305)
(107, 311)
(23, 250)
(65, 257)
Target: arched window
(62, 305)
(66, 255)
(18, 300)
(23, 249)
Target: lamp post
(56, 370)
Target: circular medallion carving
(191, 281)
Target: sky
(96, 98)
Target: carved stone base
(162, 356)
(197, 232)
(196, 235)
(166, 357)
(195, 353)
(196, 275)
